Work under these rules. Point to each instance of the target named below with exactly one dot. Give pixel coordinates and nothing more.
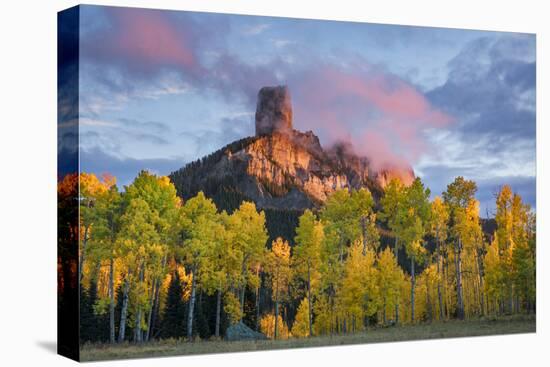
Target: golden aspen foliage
(232, 307)
(427, 306)
(324, 318)
(306, 259)
(513, 282)
(300, 327)
(359, 292)
(390, 280)
(267, 327)
(249, 237)
(278, 267)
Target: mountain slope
(280, 168)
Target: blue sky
(160, 88)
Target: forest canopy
(152, 266)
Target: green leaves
(413, 216)
(391, 204)
(199, 232)
(459, 193)
(343, 212)
(309, 239)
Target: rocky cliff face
(280, 167)
(284, 161)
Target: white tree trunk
(396, 251)
(218, 312)
(124, 311)
(111, 301)
(459, 293)
(82, 254)
(138, 331)
(258, 304)
(439, 280)
(191, 306)
(276, 330)
(412, 288)
(309, 300)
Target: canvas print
(232, 183)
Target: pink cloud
(377, 146)
(381, 115)
(148, 36)
(142, 40)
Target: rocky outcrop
(282, 168)
(273, 110)
(281, 163)
(240, 331)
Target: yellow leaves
(306, 257)
(164, 181)
(426, 301)
(278, 266)
(199, 230)
(68, 186)
(440, 217)
(267, 326)
(91, 186)
(248, 228)
(309, 234)
(281, 251)
(232, 307)
(390, 278)
(417, 250)
(343, 212)
(509, 262)
(300, 328)
(393, 195)
(473, 209)
(323, 316)
(359, 289)
(467, 225)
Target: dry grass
(436, 330)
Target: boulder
(240, 331)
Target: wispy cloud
(280, 43)
(86, 121)
(491, 92)
(255, 29)
(145, 125)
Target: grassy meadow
(517, 324)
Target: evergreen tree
(173, 325)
